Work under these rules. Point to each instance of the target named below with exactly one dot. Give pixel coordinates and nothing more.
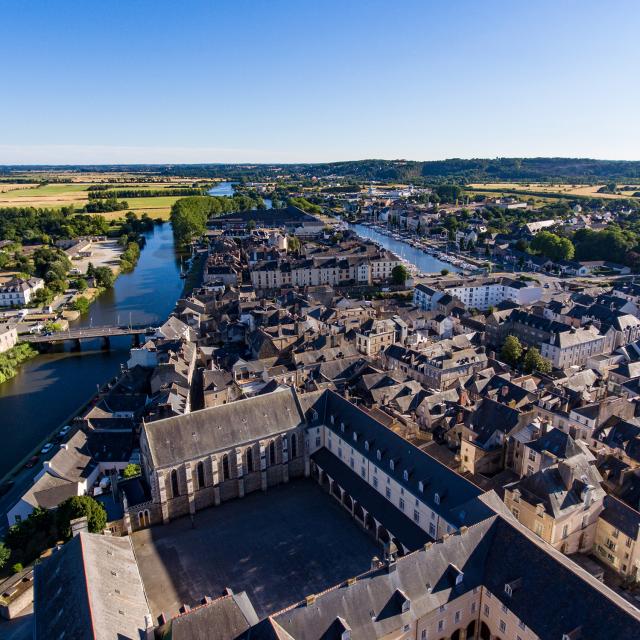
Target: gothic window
(272, 452)
(200, 469)
(175, 492)
(225, 467)
(294, 445)
(249, 459)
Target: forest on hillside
(572, 170)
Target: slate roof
(492, 553)
(73, 461)
(49, 491)
(224, 618)
(560, 487)
(201, 433)
(621, 516)
(90, 590)
(492, 416)
(556, 442)
(451, 487)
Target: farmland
(76, 194)
(563, 190)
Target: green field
(46, 190)
(76, 195)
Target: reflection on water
(49, 388)
(422, 260)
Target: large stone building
(456, 564)
(206, 457)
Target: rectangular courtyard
(278, 546)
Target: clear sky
(107, 81)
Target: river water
(49, 388)
(423, 261)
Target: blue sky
(286, 81)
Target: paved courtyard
(278, 546)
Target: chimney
(310, 600)
(79, 525)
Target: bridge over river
(88, 333)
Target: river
(227, 189)
(423, 261)
(49, 388)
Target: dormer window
(379, 454)
(333, 419)
(421, 486)
(508, 590)
(355, 437)
(436, 498)
(405, 475)
(391, 465)
(342, 427)
(366, 445)
(314, 416)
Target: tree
(553, 246)
(400, 273)
(78, 507)
(533, 361)
(80, 284)
(251, 225)
(131, 471)
(293, 244)
(81, 305)
(444, 272)
(104, 277)
(511, 351)
(5, 554)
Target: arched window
(225, 467)
(272, 452)
(200, 468)
(249, 459)
(174, 484)
(294, 445)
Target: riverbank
(11, 359)
(50, 387)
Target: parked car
(47, 447)
(65, 430)
(31, 462)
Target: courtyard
(278, 546)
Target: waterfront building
(18, 292)
(8, 337)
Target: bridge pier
(106, 343)
(136, 339)
(76, 345)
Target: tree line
(33, 225)
(189, 215)
(145, 193)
